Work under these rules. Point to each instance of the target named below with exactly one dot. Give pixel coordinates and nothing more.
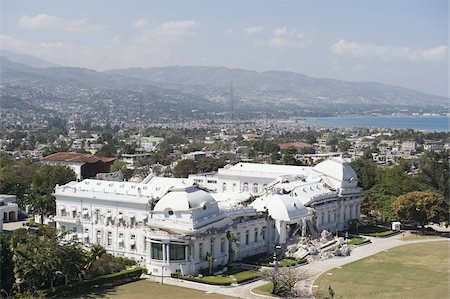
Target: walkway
(315, 268)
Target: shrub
(212, 280)
(108, 280)
(245, 276)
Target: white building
(9, 210)
(330, 187)
(170, 225)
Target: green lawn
(147, 289)
(234, 276)
(357, 241)
(409, 271)
(265, 289)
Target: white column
(164, 252)
(167, 253)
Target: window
(97, 215)
(247, 237)
(86, 235)
(99, 237)
(85, 214)
(120, 241)
(255, 187)
(224, 187)
(222, 245)
(176, 252)
(145, 245)
(238, 237)
(63, 228)
(133, 242)
(245, 187)
(234, 187)
(109, 242)
(74, 213)
(157, 251)
(63, 212)
(256, 235)
(263, 233)
(74, 229)
(200, 250)
(211, 246)
(212, 181)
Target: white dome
(339, 172)
(281, 207)
(185, 199)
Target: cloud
(42, 21)
(38, 22)
(387, 53)
(139, 23)
(172, 31)
(253, 30)
(11, 43)
(284, 37)
(82, 25)
(154, 47)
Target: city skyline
(396, 42)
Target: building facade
(172, 225)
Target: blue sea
(427, 123)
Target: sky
(399, 42)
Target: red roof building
(84, 165)
(296, 145)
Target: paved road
(315, 268)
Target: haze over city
(395, 42)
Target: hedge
(212, 280)
(103, 281)
(245, 276)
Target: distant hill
(27, 59)
(196, 92)
(279, 85)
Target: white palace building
(170, 225)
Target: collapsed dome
(340, 173)
(281, 207)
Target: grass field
(265, 289)
(147, 289)
(409, 271)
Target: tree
(289, 157)
(184, 168)
(6, 264)
(422, 207)
(435, 172)
(233, 248)
(210, 260)
(344, 145)
(95, 253)
(284, 280)
(391, 183)
(367, 172)
(43, 184)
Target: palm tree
(232, 250)
(210, 259)
(97, 251)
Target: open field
(409, 271)
(147, 289)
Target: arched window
(255, 187)
(224, 187)
(245, 187)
